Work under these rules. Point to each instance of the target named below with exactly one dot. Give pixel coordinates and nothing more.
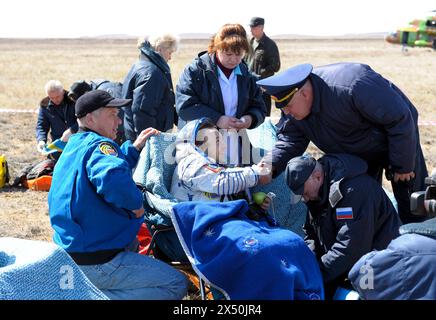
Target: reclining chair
(153, 175)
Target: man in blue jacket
(96, 209)
(349, 213)
(349, 108)
(56, 115)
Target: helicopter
(419, 33)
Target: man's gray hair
(167, 41)
(53, 86)
(83, 122)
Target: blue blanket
(36, 270)
(245, 259)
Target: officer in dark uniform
(264, 60)
(349, 108)
(349, 213)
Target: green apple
(259, 197)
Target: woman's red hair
(231, 37)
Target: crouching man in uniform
(349, 213)
(96, 209)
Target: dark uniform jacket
(264, 61)
(356, 111)
(353, 216)
(114, 88)
(405, 270)
(55, 119)
(198, 93)
(150, 87)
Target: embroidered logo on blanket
(250, 243)
(209, 232)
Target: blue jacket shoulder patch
(108, 149)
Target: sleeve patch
(108, 149)
(344, 213)
(213, 168)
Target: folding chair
(153, 176)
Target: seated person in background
(56, 115)
(79, 88)
(349, 213)
(199, 177)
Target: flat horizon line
(205, 36)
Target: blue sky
(76, 18)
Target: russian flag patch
(344, 213)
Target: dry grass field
(26, 65)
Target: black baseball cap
(79, 88)
(257, 21)
(96, 99)
(297, 172)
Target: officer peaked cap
(282, 86)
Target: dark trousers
(402, 190)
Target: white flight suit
(198, 177)
(196, 180)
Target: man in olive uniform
(264, 60)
